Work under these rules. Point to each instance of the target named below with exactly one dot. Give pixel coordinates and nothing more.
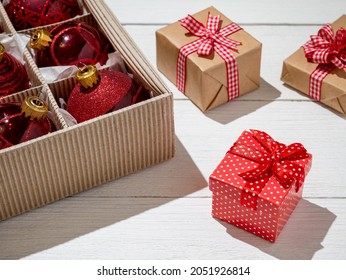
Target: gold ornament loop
(88, 76)
(34, 107)
(2, 51)
(40, 39)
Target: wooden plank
(146, 228)
(245, 11)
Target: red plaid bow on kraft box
(318, 67)
(258, 183)
(211, 59)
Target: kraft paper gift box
(77, 158)
(206, 82)
(258, 183)
(321, 77)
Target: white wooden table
(164, 212)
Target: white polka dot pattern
(274, 203)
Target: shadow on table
(333, 111)
(301, 237)
(105, 205)
(245, 104)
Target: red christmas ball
(99, 93)
(23, 122)
(33, 13)
(70, 43)
(13, 76)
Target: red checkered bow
(210, 38)
(273, 158)
(328, 51)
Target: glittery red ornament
(23, 122)
(99, 93)
(69, 43)
(13, 76)
(33, 13)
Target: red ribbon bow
(273, 158)
(326, 48)
(329, 51)
(211, 37)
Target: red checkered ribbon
(273, 158)
(211, 38)
(329, 51)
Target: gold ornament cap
(88, 76)
(34, 107)
(40, 39)
(2, 51)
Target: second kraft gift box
(210, 58)
(317, 68)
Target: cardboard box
(296, 73)
(77, 158)
(261, 203)
(206, 79)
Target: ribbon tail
(326, 32)
(213, 23)
(294, 151)
(230, 29)
(229, 43)
(192, 25)
(266, 141)
(251, 191)
(289, 174)
(250, 153)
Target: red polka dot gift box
(258, 183)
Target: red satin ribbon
(329, 51)
(211, 38)
(273, 159)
